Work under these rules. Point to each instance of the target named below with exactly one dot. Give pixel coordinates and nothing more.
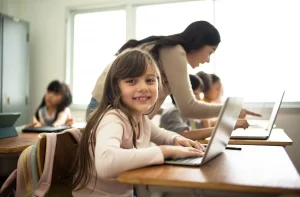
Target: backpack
(44, 168)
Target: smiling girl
(119, 135)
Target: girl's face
(140, 93)
(53, 99)
(201, 55)
(214, 92)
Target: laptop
(45, 129)
(259, 133)
(220, 135)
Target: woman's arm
(174, 63)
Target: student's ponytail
(206, 79)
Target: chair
(44, 168)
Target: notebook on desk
(45, 129)
(220, 135)
(259, 133)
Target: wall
(48, 51)
(15, 8)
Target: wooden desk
(253, 171)
(23, 140)
(11, 148)
(277, 138)
(18, 143)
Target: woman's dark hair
(196, 83)
(61, 88)
(195, 36)
(129, 64)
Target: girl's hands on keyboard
(182, 141)
(177, 152)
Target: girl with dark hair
(212, 87)
(172, 54)
(212, 92)
(53, 110)
(119, 135)
(215, 93)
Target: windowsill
(78, 106)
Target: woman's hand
(241, 123)
(182, 141)
(177, 152)
(245, 112)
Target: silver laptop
(259, 133)
(220, 135)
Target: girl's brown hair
(128, 64)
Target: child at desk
(211, 93)
(119, 133)
(212, 87)
(172, 120)
(54, 110)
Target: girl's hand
(182, 141)
(33, 125)
(70, 121)
(241, 123)
(177, 152)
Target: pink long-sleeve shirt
(114, 153)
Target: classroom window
(259, 51)
(97, 37)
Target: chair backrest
(65, 151)
(43, 169)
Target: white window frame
(130, 8)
